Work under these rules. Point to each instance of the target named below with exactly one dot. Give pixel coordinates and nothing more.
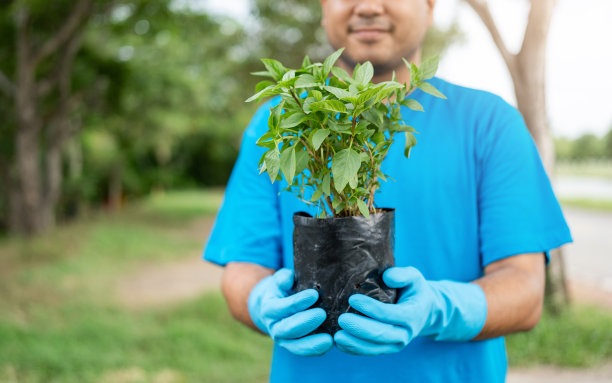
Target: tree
(38, 84)
(608, 144)
(528, 71)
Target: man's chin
(378, 59)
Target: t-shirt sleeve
(247, 227)
(518, 211)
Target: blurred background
(120, 122)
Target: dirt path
(545, 374)
(164, 283)
(161, 284)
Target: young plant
(331, 131)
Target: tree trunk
(33, 198)
(528, 71)
(115, 188)
(27, 149)
(53, 166)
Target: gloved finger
(373, 330)
(280, 308)
(284, 279)
(353, 345)
(383, 312)
(312, 345)
(400, 277)
(298, 324)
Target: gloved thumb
(401, 277)
(284, 279)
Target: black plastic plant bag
(340, 257)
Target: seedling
(331, 131)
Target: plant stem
(331, 207)
(296, 99)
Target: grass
(194, 342)
(591, 168)
(586, 203)
(581, 337)
(60, 323)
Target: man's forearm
(514, 288)
(239, 278)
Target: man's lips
(368, 33)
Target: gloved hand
(285, 317)
(442, 310)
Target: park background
(137, 109)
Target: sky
(579, 75)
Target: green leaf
(305, 81)
(275, 68)
(410, 142)
(428, 88)
(364, 74)
(342, 74)
(345, 165)
(325, 186)
(353, 182)
(338, 127)
(328, 106)
(269, 91)
(363, 208)
(316, 195)
(429, 67)
(263, 73)
(292, 120)
(301, 161)
(263, 85)
(413, 104)
(288, 164)
(272, 162)
(276, 115)
(318, 138)
(403, 128)
(338, 92)
(317, 95)
(306, 62)
(331, 60)
(289, 75)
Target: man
(475, 214)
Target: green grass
(586, 169)
(197, 342)
(181, 205)
(581, 337)
(59, 321)
(586, 203)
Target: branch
(76, 18)
(482, 9)
(538, 26)
(6, 85)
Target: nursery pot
(343, 256)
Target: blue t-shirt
(473, 191)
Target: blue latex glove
(285, 317)
(442, 310)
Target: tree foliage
(153, 97)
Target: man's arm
(514, 288)
(238, 280)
